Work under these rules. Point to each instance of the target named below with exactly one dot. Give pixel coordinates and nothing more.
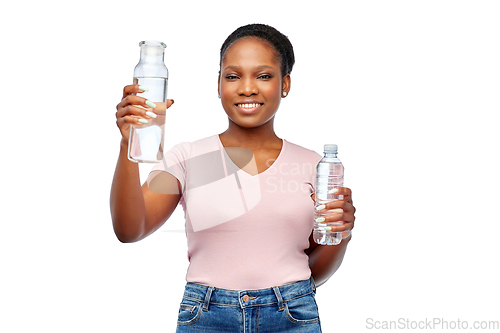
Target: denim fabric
(288, 308)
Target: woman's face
(250, 83)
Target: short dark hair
(276, 39)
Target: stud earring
(284, 94)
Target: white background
(409, 90)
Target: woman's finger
(340, 228)
(135, 110)
(344, 205)
(135, 100)
(336, 216)
(345, 192)
(133, 89)
(338, 223)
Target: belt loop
(313, 284)
(278, 296)
(207, 298)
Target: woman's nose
(248, 87)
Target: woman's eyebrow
(264, 67)
(234, 68)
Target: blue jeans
(288, 308)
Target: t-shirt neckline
(278, 159)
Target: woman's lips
(249, 107)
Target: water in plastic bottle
(329, 177)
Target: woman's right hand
(133, 109)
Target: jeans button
(246, 298)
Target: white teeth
(249, 105)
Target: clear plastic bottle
(146, 141)
(329, 176)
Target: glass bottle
(146, 140)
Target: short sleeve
(174, 163)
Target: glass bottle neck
(152, 54)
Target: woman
(248, 197)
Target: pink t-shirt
(244, 231)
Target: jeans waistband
(247, 298)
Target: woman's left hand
(340, 211)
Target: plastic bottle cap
(330, 148)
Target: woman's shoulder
(179, 153)
(299, 151)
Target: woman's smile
(249, 107)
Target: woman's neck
(258, 137)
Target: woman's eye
(231, 77)
(265, 77)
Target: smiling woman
(253, 265)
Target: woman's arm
(324, 260)
(137, 211)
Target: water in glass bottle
(146, 140)
(329, 177)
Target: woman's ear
(218, 85)
(286, 85)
